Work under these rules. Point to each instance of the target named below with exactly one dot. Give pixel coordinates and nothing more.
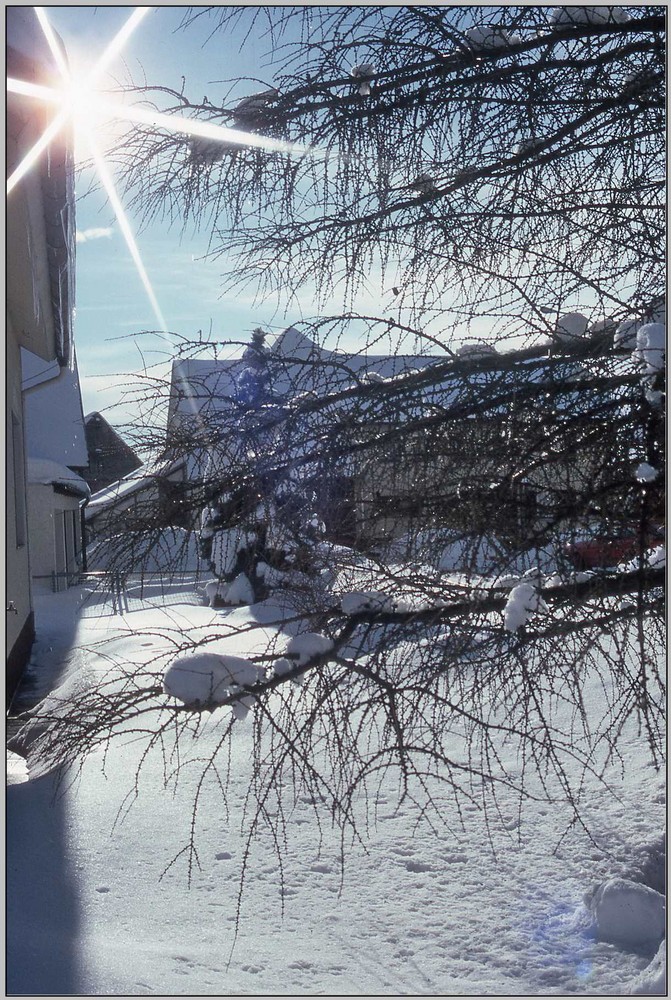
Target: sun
(78, 102)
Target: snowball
(198, 679)
(588, 15)
(651, 346)
(366, 600)
(489, 36)
(628, 913)
(570, 327)
(652, 980)
(645, 473)
(522, 602)
(308, 644)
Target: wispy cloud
(84, 235)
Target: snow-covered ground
(510, 910)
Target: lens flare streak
(125, 227)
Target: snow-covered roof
(54, 419)
(50, 473)
(205, 387)
(132, 483)
(299, 365)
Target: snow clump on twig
(483, 37)
(651, 347)
(358, 601)
(588, 15)
(364, 72)
(204, 680)
(523, 601)
(645, 473)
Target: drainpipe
(83, 531)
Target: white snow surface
(17, 768)
(48, 472)
(419, 912)
(240, 591)
(652, 981)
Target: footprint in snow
(223, 856)
(418, 866)
(324, 869)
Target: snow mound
(628, 914)
(523, 601)
(199, 679)
(366, 600)
(303, 647)
(652, 981)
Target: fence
(125, 591)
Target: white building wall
(17, 597)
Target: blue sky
(112, 304)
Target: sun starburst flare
(78, 102)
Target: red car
(608, 550)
